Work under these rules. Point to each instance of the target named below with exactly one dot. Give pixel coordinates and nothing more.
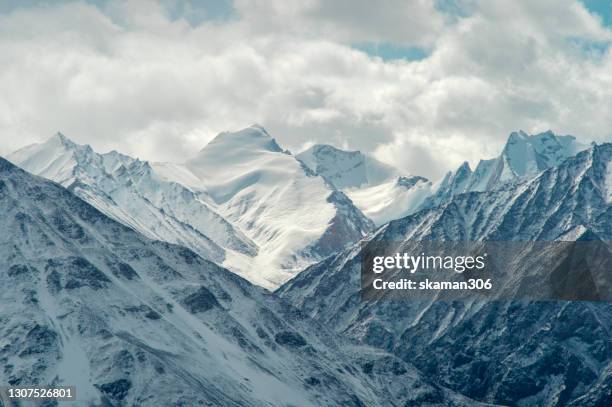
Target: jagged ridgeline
(248, 204)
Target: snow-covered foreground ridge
(242, 201)
(89, 302)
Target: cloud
(348, 21)
(143, 78)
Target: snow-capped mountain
(346, 169)
(246, 203)
(242, 202)
(377, 189)
(512, 352)
(133, 193)
(383, 194)
(293, 215)
(89, 302)
(523, 156)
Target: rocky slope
(90, 302)
(507, 352)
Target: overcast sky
(423, 85)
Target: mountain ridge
(522, 156)
(129, 191)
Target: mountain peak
(60, 142)
(547, 136)
(346, 169)
(59, 135)
(326, 148)
(252, 138)
(60, 138)
(56, 158)
(464, 168)
(517, 135)
(526, 154)
(548, 133)
(259, 128)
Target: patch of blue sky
(199, 11)
(591, 48)
(603, 8)
(388, 51)
(453, 8)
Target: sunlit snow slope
(294, 216)
(391, 200)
